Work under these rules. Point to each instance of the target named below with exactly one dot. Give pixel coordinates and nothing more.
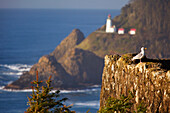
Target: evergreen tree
(43, 101)
(122, 105)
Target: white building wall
(111, 30)
(108, 25)
(132, 32)
(121, 32)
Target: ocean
(28, 34)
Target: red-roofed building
(121, 31)
(132, 31)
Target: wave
(2, 87)
(80, 91)
(14, 69)
(12, 73)
(94, 104)
(61, 91)
(95, 86)
(17, 67)
(15, 90)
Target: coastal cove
(28, 34)
(91, 56)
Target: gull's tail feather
(132, 59)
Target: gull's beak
(145, 48)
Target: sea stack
(70, 67)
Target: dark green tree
(121, 105)
(42, 100)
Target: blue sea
(28, 34)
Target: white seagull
(139, 55)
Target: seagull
(139, 55)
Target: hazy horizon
(62, 4)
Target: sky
(64, 4)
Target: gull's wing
(138, 56)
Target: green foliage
(141, 108)
(145, 15)
(127, 58)
(122, 105)
(43, 101)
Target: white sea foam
(97, 86)
(2, 87)
(9, 82)
(17, 67)
(61, 91)
(15, 90)
(95, 104)
(12, 73)
(80, 91)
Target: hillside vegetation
(149, 17)
(146, 16)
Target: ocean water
(28, 34)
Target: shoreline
(90, 88)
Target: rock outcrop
(70, 67)
(83, 65)
(148, 80)
(73, 39)
(46, 66)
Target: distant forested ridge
(146, 15)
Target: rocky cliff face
(148, 80)
(83, 65)
(70, 67)
(73, 39)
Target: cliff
(148, 80)
(84, 66)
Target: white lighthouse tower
(109, 27)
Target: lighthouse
(109, 27)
